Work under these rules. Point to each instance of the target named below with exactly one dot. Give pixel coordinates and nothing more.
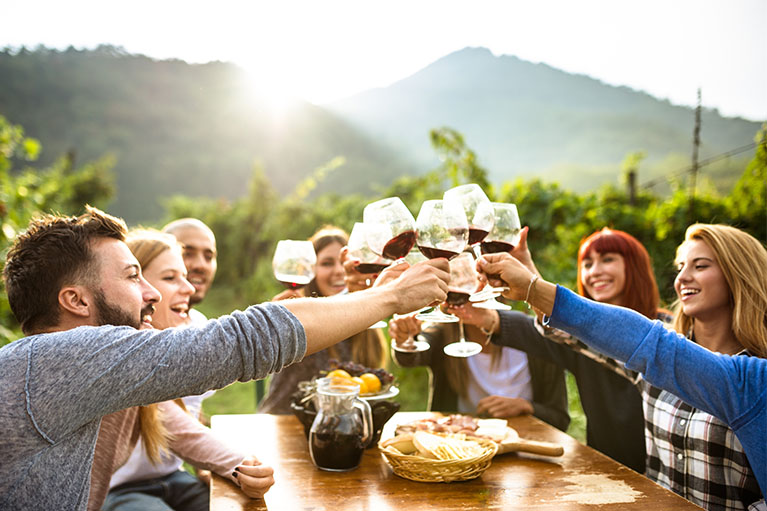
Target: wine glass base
(416, 347)
(491, 304)
(487, 293)
(436, 317)
(377, 325)
(462, 349)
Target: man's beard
(113, 315)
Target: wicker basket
(426, 470)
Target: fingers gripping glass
(441, 231)
(293, 263)
(503, 237)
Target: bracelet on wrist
(530, 287)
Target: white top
(511, 378)
(139, 467)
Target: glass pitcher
(342, 428)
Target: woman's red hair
(640, 291)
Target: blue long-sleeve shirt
(733, 389)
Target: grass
(413, 383)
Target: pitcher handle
(367, 420)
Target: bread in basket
(438, 458)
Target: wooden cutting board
(513, 443)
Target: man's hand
(499, 406)
(288, 293)
(420, 285)
(254, 478)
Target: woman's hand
(476, 316)
(522, 254)
(254, 478)
(512, 273)
(402, 328)
(288, 293)
(499, 406)
(355, 281)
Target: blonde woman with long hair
(169, 433)
(705, 414)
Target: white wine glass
(293, 263)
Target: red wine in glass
(399, 246)
(476, 235)
(294, 285)
(435, 253)
(370, 268)
(457, 298)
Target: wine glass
(370, 262)
(293, 263)
(441, 231)
(478, 209)
(411, 344)
(391, 228)
(463, 281)
(503, 237)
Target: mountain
(177, 128)
(525, 119)
(198, 130)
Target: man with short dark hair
(79, 294)
(200, 255)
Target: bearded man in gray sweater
(81, 300)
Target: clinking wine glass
(478, 209)
(503, 237)
(441, 231)
(391, 228)
(370, 262)
(411, 344)
(293, 263)
(463, 280)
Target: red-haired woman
(613, 267)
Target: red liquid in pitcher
(335, 451)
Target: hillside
(526, 119)
(198, 130)
(177, 128)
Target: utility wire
(708, 161)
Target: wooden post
(694, 168)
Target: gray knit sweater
(54, 389)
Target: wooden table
(582, 479)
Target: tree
(29, 192)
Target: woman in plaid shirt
(722, 294)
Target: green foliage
(29, 192)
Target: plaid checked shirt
(689, 451)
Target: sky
(323, 50)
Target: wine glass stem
(476, 250)
(462, 338)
